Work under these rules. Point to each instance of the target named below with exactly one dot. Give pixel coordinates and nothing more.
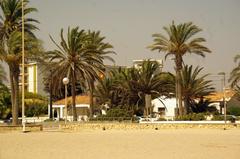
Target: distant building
(33, 79)
(82, 107)
(164, 107)
(217, 101)
(138, 63)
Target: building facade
(33, 79)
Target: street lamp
(224, 96)
(23, 73)
(65, 82)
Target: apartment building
(33, 79)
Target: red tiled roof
(218, 96)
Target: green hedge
(234, 111)
(191, 117)
(221, 118)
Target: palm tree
(79, 59)
(194, 86)
(235, 73)
(11, 20)
(10, 43)
(96, 44)
(127, 87)
(178, 42)
(2, 74)
(12, 55)
(147, 81)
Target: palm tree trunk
(91, 89)
(73, 89)
(14, 75)
(178, 83)
(147, 104)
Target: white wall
(170, 105)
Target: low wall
(29, 127)
(137, 126)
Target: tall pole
(224, 100)
(65, 103)
(65, 82)
(23, 72)
(50, 96)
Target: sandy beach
(119, 144)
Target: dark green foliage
(221, 118)
(202, 106)
(127, 87)
(35, 104)
(36, 109)
(5, 102)
(233, 111)
(235, 74)
(191, 117)
(161, 119)
(116, 112)
(195, 86)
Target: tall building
(33, 79)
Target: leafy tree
(35, 104)
(5, 102)
(80, 58)
(178, 42)
(10, 43)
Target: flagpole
(23, 72)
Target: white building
(82, 108)
(164, 107)
(33, 78)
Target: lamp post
(65, 82)
(23, 72)
(224, 96)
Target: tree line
(80, 55)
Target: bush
(36, 110)
(234, 111)
(5, 102)
(161, 119)
(221, 118)
(118, 113)
(191, 117)
(105, 118)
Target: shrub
(221, 118)
(191, 117)
(161, 119)
(116, 112)
(234, 111)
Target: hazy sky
(129, 24)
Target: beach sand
(120, 144)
